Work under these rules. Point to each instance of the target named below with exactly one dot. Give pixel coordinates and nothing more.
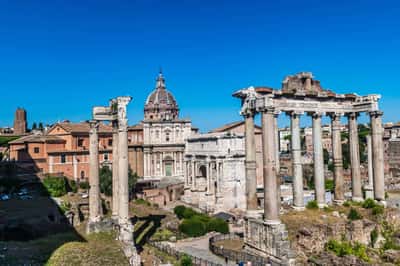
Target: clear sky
(60, 58)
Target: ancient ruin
(116, 114)
(302, 94)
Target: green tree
(218, 225)
(41, 126)
(105, 175)
(185, 261)
(56, 186)
(34, 126)
(179, 210)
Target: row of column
(271, 166)
(190, 167)
(151, 159)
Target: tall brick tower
(20, 121)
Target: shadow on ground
(32, 226)
(147, 227)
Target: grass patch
(343, 248)
(312, 205)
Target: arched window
(82, 174)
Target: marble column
(369, 188)
(75, 166)
(355, 158)
(377, 155)
(126, 232)
(271, 210)
(298, 193)
(319, 179)
(115, 166)
(94, 182)
(337, 158)
(250, 150)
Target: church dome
(160, 104)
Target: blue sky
(60, 58)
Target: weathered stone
(392, 256)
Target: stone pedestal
(268, 240)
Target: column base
(369, 192)
(382, 202)
(338, 202)
(271, 222)
(298, 208)
(254, 214)
(357, 199)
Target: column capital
(94, 126)
(247, 113)
(376, 113)
(316, 114)
(352, 115)
(336, 115)
(294, 113)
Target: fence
(177, 254)
(238, 256)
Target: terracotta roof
(136, 127)
(230, 126)
(37, 139)
(82, 127)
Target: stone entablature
(214, 172)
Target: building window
(105, 156)
(36, 150)
(63, 158)
(109, 142)
(82, 174)
(167, 136)
(80, 142)
(157, 134)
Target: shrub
(84, 185)
(179, 210)
(185, 261)
(162, 235)
(65, 206)
(142, 202)
(55, 186)
(346, 248)
(312, 204)
(377, 209)
(218, 225)
(347, 203)
(189, 213)
(368, 204)
(374, 236)
(72, 186)
(354, 215)
(329, 185)
(105, 176)
(193, 227)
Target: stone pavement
(198, 247)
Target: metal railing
(238, 256)
(178, 254)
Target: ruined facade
(20, 122)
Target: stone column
(271, 210)
(75, 166)
(319, 179)
(354, 158)
(208, 172)
(126, 231)
(193, 167)
(298, 193)
(51, 164)
(94, 190)
(369, 188)
(251, 177)
(377, 155)
(277, 162)
(115, 166)
(337, 158)
(218, 177)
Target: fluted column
(377, 155)
(126, 233)
(250, 150)
(337, 157)
(298, 192)
(94, 190)
(115, 166)
(369, 188)
(355, 158)
(271, 210)
(193, 172)
(319, 178)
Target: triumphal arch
(300, 95)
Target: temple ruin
(302, 94)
